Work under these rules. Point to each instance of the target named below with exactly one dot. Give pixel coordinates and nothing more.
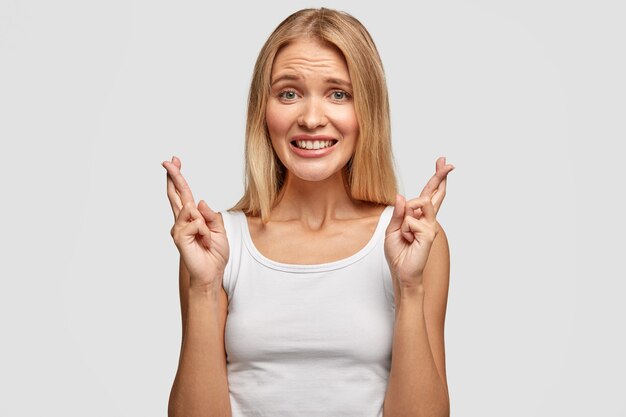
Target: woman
(295, 300)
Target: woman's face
(310, 111)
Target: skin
(314, 187)
(314, 205)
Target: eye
(288, 95)
(340, 95)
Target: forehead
(309, 57)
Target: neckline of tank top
(381, 225)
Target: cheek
(276, 121)
(348, 123)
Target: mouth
(313, 144)
(307, 148)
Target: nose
(312, 115)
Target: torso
(291, 243)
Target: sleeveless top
(307, 340)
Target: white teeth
(317, 144)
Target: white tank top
(307, 340)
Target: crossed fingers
(178, 191)
(435, 190)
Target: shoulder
(226, 216)
(230, 223)
(371, 210)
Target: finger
(436, 186)
(176, 161)
(205, 234)
(179, 182)
(407, 234)
(408, 212)
(419, 228)
(439, 195)
(416, 205)
(196, 229)
(412, 213)
(441, 171)
(429, 211)
(436, 199)
(397, 216)
(212, 218)
(420, 205)
(189, 213)
(173, 197)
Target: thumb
(211, 218)
(398, 215)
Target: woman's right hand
(198, 232)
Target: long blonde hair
(370, 172)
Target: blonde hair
(370, 172)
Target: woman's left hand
(412, 229)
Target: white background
(525, 98)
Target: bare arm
(417, 383)
(201, 384)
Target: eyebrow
(290, 77)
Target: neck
(313, 202)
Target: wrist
(409, 285)
(206, 290)
(412, 291)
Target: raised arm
(201, 385)
(417, 252)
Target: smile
(313, 144)
(313, 148)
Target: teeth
(316, 144)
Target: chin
(314, 175)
